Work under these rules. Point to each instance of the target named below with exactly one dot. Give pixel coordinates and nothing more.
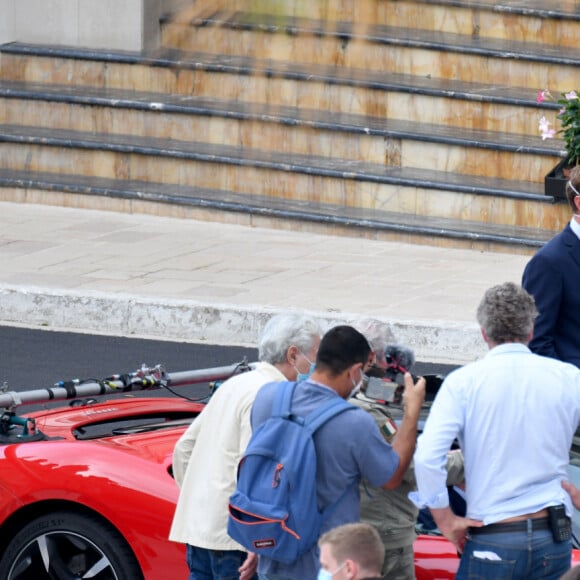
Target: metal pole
(144, 379)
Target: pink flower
(543, 95)
(569, 118)
(544, 126)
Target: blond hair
(358, 542)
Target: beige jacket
(205, 460)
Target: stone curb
(212, 323)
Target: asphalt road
(35, 359)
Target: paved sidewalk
(138, 275)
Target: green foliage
(569, 117)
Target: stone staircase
(393, 119)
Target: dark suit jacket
(552, 277)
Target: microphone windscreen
(398, 355)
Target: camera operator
(515, 414)
(390, 511)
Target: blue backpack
(274, 510)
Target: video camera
(387, 384)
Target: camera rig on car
(16, 428)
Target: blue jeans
(214, 564)
(523, 555)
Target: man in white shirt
(206, 457)
(514, 414)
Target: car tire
(69, 545)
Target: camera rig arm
(145, 378)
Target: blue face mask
(304, 376)
(326, 575)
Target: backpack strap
(282, 405)
(315, 420)
(319, 416)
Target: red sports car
(86, 490)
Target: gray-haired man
(514, 414)
(206, 457)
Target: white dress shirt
(205, 460)
(514, 414)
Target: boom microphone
(387, 387)
(399, 360)
(386, 384)
(399, 357)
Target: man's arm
(574, 493)
(183, 449)
(431, 458)
(453, 527)
(441, 428)
(436, 467)
(406, 437)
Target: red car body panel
(435, 558)
(125, 478)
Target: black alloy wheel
(69, 546)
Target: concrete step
(274, 175)
(553, 22)
(430, 52)
(475, 105)
(247, 209)
(276, 128)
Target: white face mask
(356, 387)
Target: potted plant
(569, 117)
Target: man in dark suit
(552, 277)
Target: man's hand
(453, 527)
(249, 567)
(574, 493)
(406, 437)
(413, 395)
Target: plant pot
(555, 181)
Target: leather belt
(521, 526)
